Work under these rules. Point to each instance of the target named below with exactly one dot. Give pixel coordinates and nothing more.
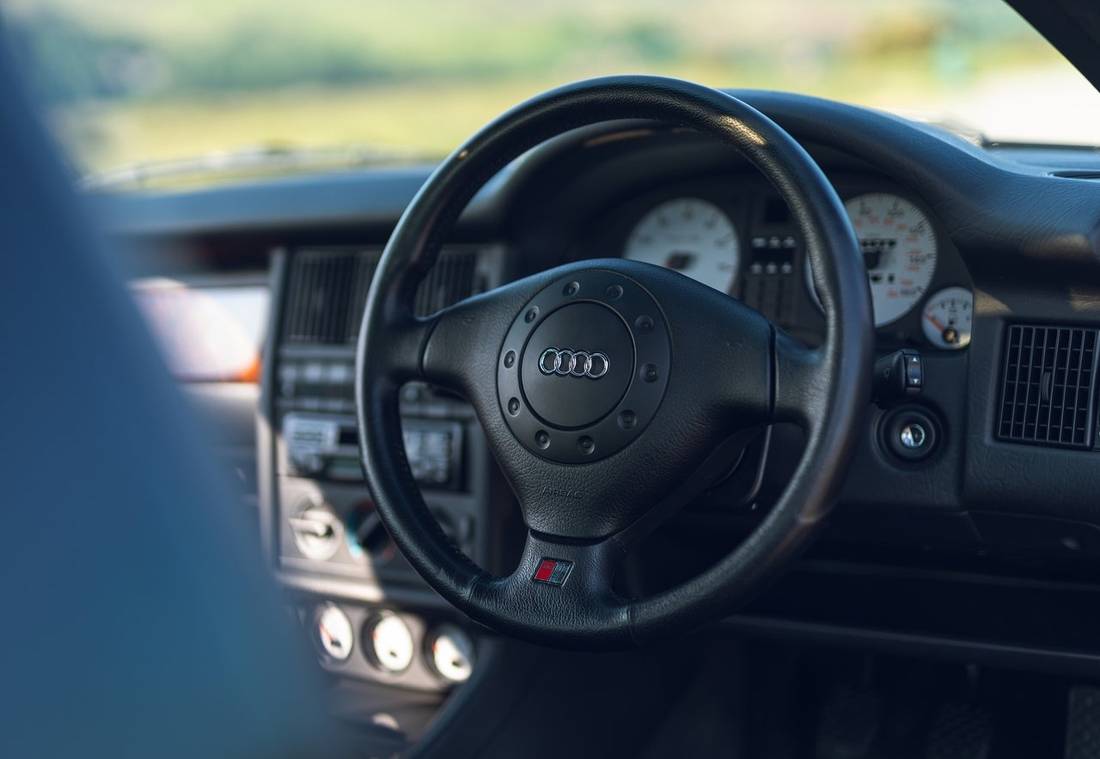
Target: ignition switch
(909, 433)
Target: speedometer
(899, 250)
(692, 236)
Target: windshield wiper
(248, 163)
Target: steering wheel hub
(584, 367)
(577, 365)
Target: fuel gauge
(334, 632)
(948, 317)
(391, 646)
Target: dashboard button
(898, 375)
(914, 371)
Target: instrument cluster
(745, 244)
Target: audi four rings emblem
(571, 363)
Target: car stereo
(327, 447)
(320, 514)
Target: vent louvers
(327, 291)
(1048, 386)
(449, 281)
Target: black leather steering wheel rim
(753, 374)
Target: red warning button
(553, 571)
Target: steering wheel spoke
(400, 356)
(801, 382)
(726, 349)
(462, 347)
(564, 590)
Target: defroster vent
(1048, 387)
(327, 291)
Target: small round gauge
(391, 643)
(452, 654)
(335, 635)
(691, 236)
(899, 250)
(948, 318)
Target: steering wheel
(603, 386)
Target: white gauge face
(948, 318)
(691, 236)
(334, 632)
(453, 654)
(899, 249)
(391, 641)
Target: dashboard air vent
(327, 290)
(1049, 386)
(449, 281)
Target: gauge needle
(935, 322)
(332, 640)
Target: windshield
(303, 83)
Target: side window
(211, 330)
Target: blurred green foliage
(131, 80)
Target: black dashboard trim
(359, 199)
(1078, 664)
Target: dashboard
(970, 502)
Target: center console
(371, 617)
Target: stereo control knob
(317, 531)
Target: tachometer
(692, 236)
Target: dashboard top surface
(365, 198)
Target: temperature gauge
(452, 654)
(948, 318)
(391, 643)
(335, 634)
